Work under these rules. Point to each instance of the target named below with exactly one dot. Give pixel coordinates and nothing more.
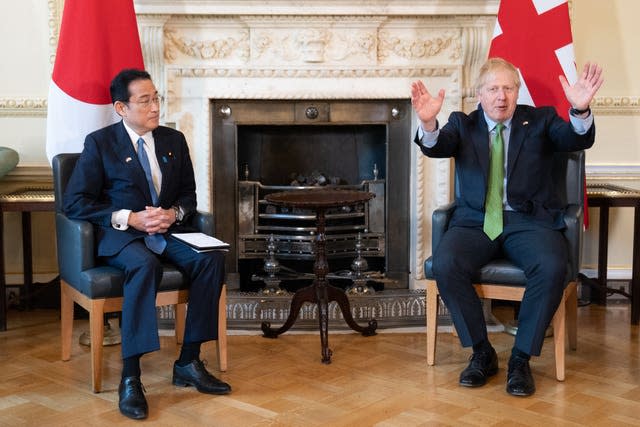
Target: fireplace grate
(293, 230)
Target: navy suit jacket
(108, 177)
(536, 134)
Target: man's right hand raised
(425, 105)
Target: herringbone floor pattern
(382, 380)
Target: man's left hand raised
(582, 92)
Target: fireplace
(224, 68)
(208, 56)
(261, 147)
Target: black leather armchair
(98, 288)
(500, 279)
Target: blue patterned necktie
(154, 242)
(493, 204)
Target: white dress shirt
(120, 218)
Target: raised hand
(425, 105)
(582, 92)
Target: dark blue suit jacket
(108, 177)
(536, 134)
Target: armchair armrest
(204, 222)
(440, 222)
(76, 248)
(573, 220)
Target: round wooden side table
(320, 291)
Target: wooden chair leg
(66, 321)
(221, 344)
(572, 315)
(180, 311)
(432, 321)
(96, 329)
(559, 328)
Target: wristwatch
(576, 112)
(179, 214)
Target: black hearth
(260, 147)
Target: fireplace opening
(320, 155)
(261, 147)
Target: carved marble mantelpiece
(199, 50)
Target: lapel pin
(128, 159)
(525, 123)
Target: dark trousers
(143, 272)
(539, 251)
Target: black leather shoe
(482, 365)
(195, 374)
(519, 378)
(132, 402)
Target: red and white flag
(535, 36)
(98, 38)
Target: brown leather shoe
(482, 365)
(132, 402)
(194, 374)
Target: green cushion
(8, 160)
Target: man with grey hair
(503, 157)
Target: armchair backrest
(76, 249)
(63, 165)
(568, 173)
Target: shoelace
(202, 364)
(519, 364)
(141, 385)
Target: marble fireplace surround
(201, 50)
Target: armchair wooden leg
(221, 344)
(559, 328)
(432, 320)
(96, 328)
(572, 314)
(66, 320)
(180, 311)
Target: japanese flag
(98, 38)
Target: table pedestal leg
(321, 293)
(307, 294)
(338, 295)
(3, 285)
(635, 275)
(323, 320)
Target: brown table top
(30, 194)
(611, 190)
(320, 198)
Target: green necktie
(493, 204)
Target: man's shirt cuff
(120, 219)
(581, 126)
(428, 139)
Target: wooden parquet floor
(373, 381)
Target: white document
(201, 242)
